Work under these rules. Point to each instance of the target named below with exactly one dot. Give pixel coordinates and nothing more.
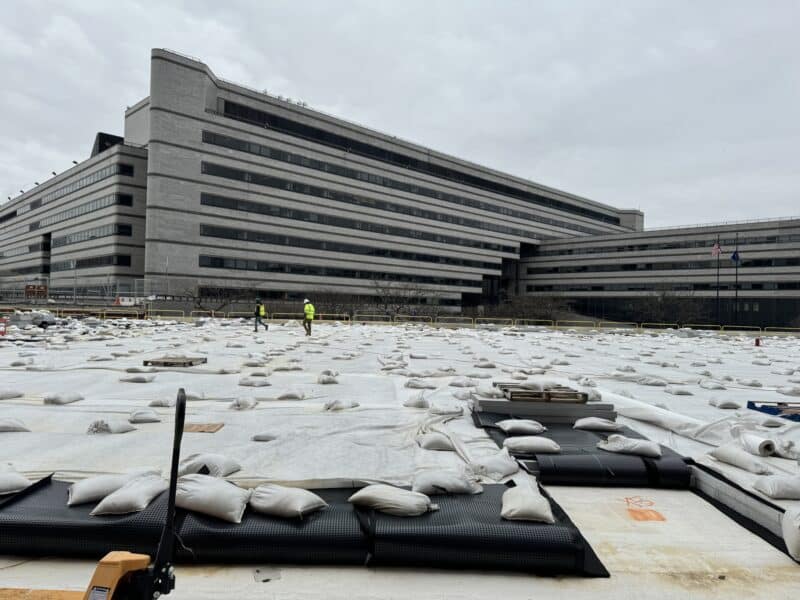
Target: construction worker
(308, 311)
(259, 314)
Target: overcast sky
(687, 110)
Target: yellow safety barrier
(114, 313)
(782, 329)
(7, 310)
(80, 312)
(373, 319)
(744, 328)
(493, 321)
(413, 319)
(238, 315)
(659, 325)
(534, 322)
(202, 313)
(332, 317)
(171, 315)
(573, 324)
(455, 321)
(284, 317)
(617, 325)
(708, 326)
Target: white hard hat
(306, 301)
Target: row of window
(727, 243)
(94, 233)
(82, 209)
(77, 184)
(19, 251)
(341, 171)
(332, 221)
(666, 266)
(245, 264)
(645, 287)
(39, 269)
(111, 260)
(262, 118)
(339, 196)
(264, 237)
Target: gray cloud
(686, 110)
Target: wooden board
(174, 362)
(202, 427)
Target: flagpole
(719, 320)
(736, 285)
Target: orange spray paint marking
(639, 509)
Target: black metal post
(719, 251)
(736, 285)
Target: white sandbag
(489, 391)
(285, 502)
(67, 398)
(779, 487)
(446, 482)
(521, 427)
(479, 375)
(215, 465)
(392, 500)
(326, 379)
(254, 382)
(334, 405)
(95, 488)
(625, 445)
(531, 444)
(144, 415)
(134, 496)
(243, 404)
(790, 528)
(162, 403)
(525, 502)
(496, 466)
(677, 391)
(211, 496)
(596, 424)
(417, 401)
(733, 454)
(789, 390)
(462, 394)
(756, 445)
(102, 426)
(445, 410)
(749, 382)
(651, 381)
(11, 425)
(420, 384)
(292, 395)
(137, 378)
(787, 449)
(10, 394)
(12, 482)
(264, 437)
(484, 364)
(462, 382)
(725, 404)
(435, 440)
(417, 355)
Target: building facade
(82, 232)
(600, 272)
(217, 188)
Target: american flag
(716, 250)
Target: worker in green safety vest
(259, 314)
(308, 312)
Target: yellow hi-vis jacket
(308, 309)
(262, 310)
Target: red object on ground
(758, 341)
(3, 326)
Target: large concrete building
(238, 192)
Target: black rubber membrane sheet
(466, 532)
(581, 462)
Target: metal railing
(576, 324)
(534, 322)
